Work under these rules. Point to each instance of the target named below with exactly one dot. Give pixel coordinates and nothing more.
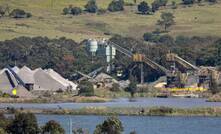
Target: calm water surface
(143, 124)
(124, 102)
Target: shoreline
(76, 99)
(130, 111)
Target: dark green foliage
(157, 4)
(161, 111)
(18, 13)
(91, 6)
(66, 11)
(76, 11)
(4, 122)
(182, 40)
(143, 7)
(188, 2)
(166, 39)
(24, 123)
(151, 37)
(63, 55)
(116, 5)
(166, 21)
(52, 127)
(86, 88)
(80, 131)
(2, 11)
(111, 125)
(72, 10)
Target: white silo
(113, 50)
(93, 46)
(108, 54)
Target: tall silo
(93, 46)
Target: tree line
(26, 123)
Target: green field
(48, 21)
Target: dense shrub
(86, 88)
(151, 37)
(112, 125)
(156, 4)
(23, 123)
(76, 11)
(116, 5)
(52, 127)
(91, 6)
(18, 13)
(166, 39)
(188, 2)
(181, 40)
(72, 10)
(143, 7)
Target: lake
(123, 102)
(142, 124)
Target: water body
(122, 102)
(143, 124)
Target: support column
(141, 73)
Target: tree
(116, 5)
(76, 11)
(80, 131)
(23, 123)
(143, 7)
(157, 4)
(91, 6)
(167, 20)
(111, 125)
(188, 2)
(52, 127)
(19, 13)
(86, 88)
(151, 37)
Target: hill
(47, 20)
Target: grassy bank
(215, 98)
(78, 99)
(130, 111)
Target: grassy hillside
(48, 21)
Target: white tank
(108, 50)
(93, 46)
(113, 52)
(108, 58)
